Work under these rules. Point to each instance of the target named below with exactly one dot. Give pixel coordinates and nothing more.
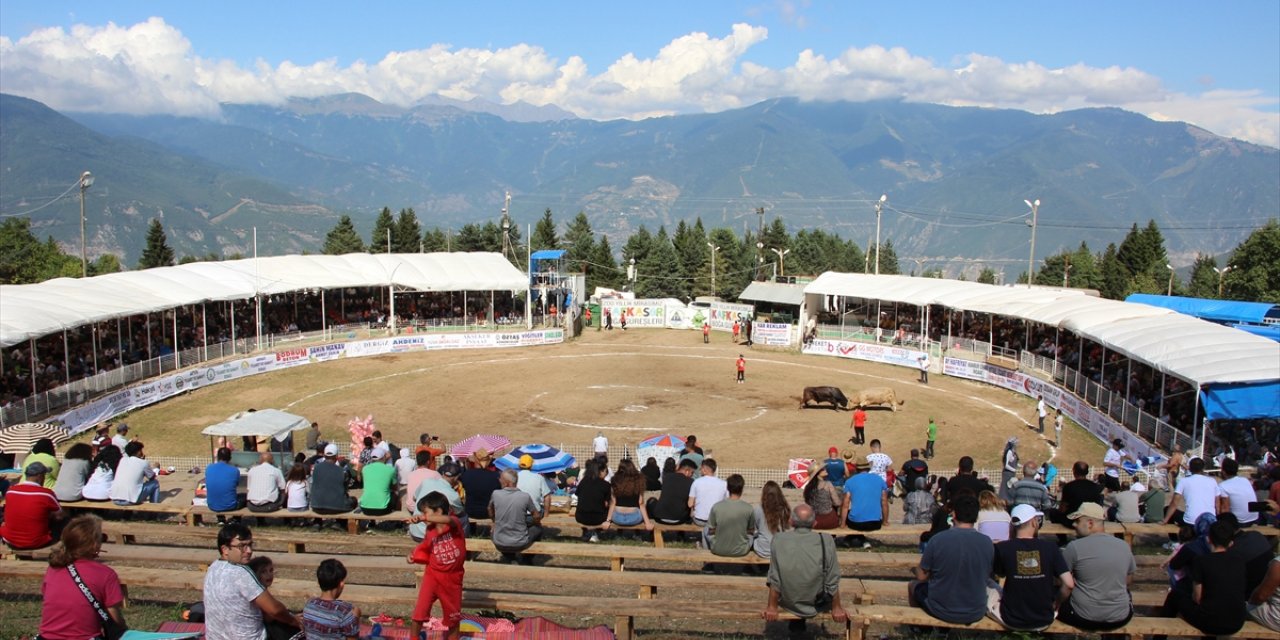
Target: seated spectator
(236, 605)
(221, 479)
(1030, 566)
(821, 495)
(771, 516)
(628, 494)
(653, 474)
(516, 520)
(595, 501)
(295, 488)
(379, 482)
(835, 467)
(704, 493)
(75, 472)
(1075, 493)
(951, 582)
(1127, 503)
(329, 485)
(479, 480)
(919, 505)
(43, 452)
(1216, 603)
(672, 504)
(730, 526)
(266, 486)
(865, 506)
(1030, 491)
(425, 468)
(802, 565)
(135, 479)
(30, 511)
(1264, 602)
(1238, 493)
(327, 617)
(102, 476)
(1153, 500)
(911, 470)
(66, 612)
(265, 571)
(965, 481)
(534, 485)
(993, 520)
(1103, 568)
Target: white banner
(1096, 422)
(771, 334)
(650, 314)
(157, 389)
(722, 314)
(886, 354)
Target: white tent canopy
(264, 423)
(1179, 345)
(35, 310)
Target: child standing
(706, 332)
(737, 328)
(859, 426)
(326, 617)
(742, 369)
(443, 550)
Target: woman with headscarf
(820, 494)
(1010, 470)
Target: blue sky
(1213, 64)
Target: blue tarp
(1242, 401)
(1269, 331)
(1212, 310)
(548, 254)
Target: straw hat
(481, 456)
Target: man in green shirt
(379, 477)
(732, 522)
(803, 563)
(932, 436)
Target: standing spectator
(444, 551)
(730, 525)
(1057, 428)
(220, 480)
(1237, 494)
(236, 605)
(737, 329)
(622, 319)
(742, 369)
(704, 493)
(1216, 604)
(43, 452)
(706, 333)
(75, 473)
(608, 319)
(295, 488)
(329, 485)
(993, 520)
(600, 444)
(628, 496)
(67, 613)
(1029, 566)
(1041, 412)
(534, 485)
(430, 444)
(821, 496)
(859, 425)
(1010, 470)
(951, 582)
(1113, 460)
(30, 509)
(266, 486)
(1030, 491)
(865, 506)
(879, 462)
(135, 479)
(405, 466)
(772, 516)
(672, 504)
(98, 488)
(924, 368)
(931, 437)
(381, 448)
(595, 501)
(121, 439)
(327, 617)
(1195, 494)
(803, 564)
(516, 519)
(1076, 493)
(1103, 568)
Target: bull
(878, 396)
(817, 395)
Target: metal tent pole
(177, 362)
(66, 358)
(33, 367)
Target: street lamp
(714, 250)
(86, 181)
(781, 265)
(1031, 260)
(879, 205)
(1221, 272)
(1170, 268)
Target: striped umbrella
(546, 459)
(17, 439)
(660, 448)
(489, 442)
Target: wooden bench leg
(297, 547)
(615, 564)
(353, 526)
(647, 592)
(623, 627)
(658, 541)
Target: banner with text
(864, 351)
(722, 314)
(771, 334)
(651, 314)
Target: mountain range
(955, 177)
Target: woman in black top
(595, 498)
(652, 475)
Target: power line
(55, 199)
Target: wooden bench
(1135, 529)
(561, 521)
(172, 507)
(196, 516)
(870, 591)
(1138, 627)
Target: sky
(1213, 64)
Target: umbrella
(662, 440)
(18, 438)
(487, 441)
(660, 447)
(798, 471)
(546, 459)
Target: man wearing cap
(101, 438)
(1030, 566)
(329, 485)
(534, 485)
(29, 511)
(447, 485)
(1113, 460)
(1103, 567)
(835, 467)
(1030, 491)
(951, 582)
(121, 439)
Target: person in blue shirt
(220, 482)
(865, 506)
(835, 467)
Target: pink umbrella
(489, 442)
(798, 471)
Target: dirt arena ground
(630, 385)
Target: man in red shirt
(742, 369)
(706, 333)
(859, 424)
(29, 511)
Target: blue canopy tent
(1241, 401)
(1221, 311)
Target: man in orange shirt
(706, 333)
(430, 444)
(742, 369)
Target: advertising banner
(864, 351)
(772, 334)
(640, 313)
(722, 314)
(681, 316)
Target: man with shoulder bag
(804, 572)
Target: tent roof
(775, 292)
(548, 254)
(262, 423)
(1192, 349)
(34, 310)
(1215, 310)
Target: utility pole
(1031, 264)
(506, 230)
(760, 243)
(879, 205)
(86, 181)
(1066, 270)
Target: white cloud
(150, 67)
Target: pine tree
(434, 241)
(469, 238)
(604, 269)
(888, 259)
(158, 253)
(343, 238)
(544, 233)
(407, 232)
(1204, 277)
(658, 272)
(987, 276)
(106, 263)
(637, 247)
(1115, 277)
(1255, 268)
(381, 227)
(581, 242)
(26, 260)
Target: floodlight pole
(1221, 272)
(86, 181)
(714, 249)
(879, 205)
(1031, 259)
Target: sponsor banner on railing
(1095, 422)
(153, 391)
(863, 351)
(640, 313)
(722, 314)
(771, 334)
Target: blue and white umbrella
(546, 459)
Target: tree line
(679, 263)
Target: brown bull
(878, 396)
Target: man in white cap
(1103, 568)
(1036, 577)
(329, 485)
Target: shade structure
(660, 447)
(19, 438)
(798, 471)
(489, 442)
(265, 423)
(546, 459)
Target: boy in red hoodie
(443, 550)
